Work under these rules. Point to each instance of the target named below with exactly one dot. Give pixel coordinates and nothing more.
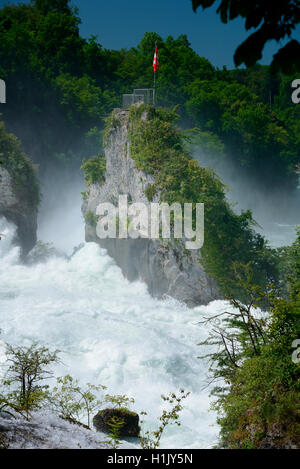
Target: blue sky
(122, 23)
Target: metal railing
(140, 95)
(2, 92)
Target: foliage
(288, 258)
(91, 219)
(80, 98)
(74, 403)
(27, 368)
(254, 136)
(151, 440)
(119, 401)
(116, 424)
(178, 178)
(150, 192)
(85, 195)
(3, 442)
(257, 382)
(207, 145)
(64, 86)
(274, 23)
(94, 170)
(19, 167)
(112, 123)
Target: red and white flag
(155, 60)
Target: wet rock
(130, 427)
(42, 252)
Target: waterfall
(110, 331)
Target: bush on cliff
(160, 149)
(19, 167)
(94, 169)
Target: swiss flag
(155, 60)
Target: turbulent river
(111, 332)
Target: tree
(73, 402)
(45, 6)
(151, 440)
(257, 380)
(27, 369)
(275, 21)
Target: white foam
(110, 332)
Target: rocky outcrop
(166, 267)
(270, 436)
(17, 210)
(19, 192)
(42, 252)
(45, 430)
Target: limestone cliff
(166, 268)
(19, 193)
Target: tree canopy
(273, 20)
(61, 86)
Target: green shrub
(259, 402)
(73, 403)
(94, 170)
(150, 192)
(20, 168)
(151, 440)
(159, 148)
(112, 122)
(27, 368)
(91, 219)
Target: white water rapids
(110, 332)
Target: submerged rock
(130, 427)
(76, 249)
(42, 252)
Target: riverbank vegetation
(256, 366)
(61, 90)
(26, 388)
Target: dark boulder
(131, 421)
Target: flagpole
(154, 88)
(155, 69)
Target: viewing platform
(139, 95)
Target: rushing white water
(110, 332)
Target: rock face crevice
(18, 210)
(165, 267)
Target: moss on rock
(21, 170)
(159, 148)
(91, 219)
(130, 427)
(94, 170)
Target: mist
(60, 220)
(276, 213)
